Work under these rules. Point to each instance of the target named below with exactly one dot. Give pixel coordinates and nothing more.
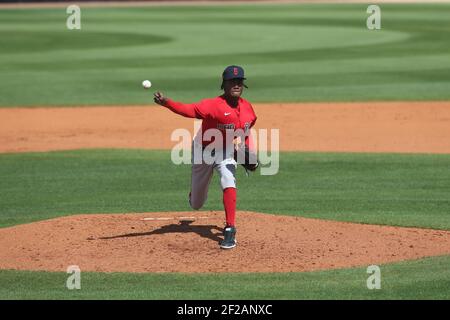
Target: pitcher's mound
(188, 242)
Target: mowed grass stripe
(294, 52)
(421, 279)
(391, 189)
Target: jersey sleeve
(249, 138)
(252, 123)
(185, 110)
(197, 110)
(202, 110)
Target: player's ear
(221, 86)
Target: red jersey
(217, 114)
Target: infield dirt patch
(266, 243)
(422, 127)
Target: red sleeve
(186, 110)
(203, 109)
(194, 110)
(254, 117)
(249, 139)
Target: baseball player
(225, 113)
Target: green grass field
(290, 53)
(421, 279)
(404, 190)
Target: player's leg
(200, 178)
(227, 173)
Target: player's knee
(196, 205)
(227, 181)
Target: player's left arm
(249, 142)
(250, 151)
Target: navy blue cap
(233, 72)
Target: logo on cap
(235, 71)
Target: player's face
(233, 87)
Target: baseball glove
(246, 158)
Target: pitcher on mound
(223, 141)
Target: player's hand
(160, 99)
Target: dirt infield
(410, 127)
(266, 243)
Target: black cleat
(229, 238)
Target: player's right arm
(186, 110)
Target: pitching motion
(227, 113)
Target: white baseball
(146, 84)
